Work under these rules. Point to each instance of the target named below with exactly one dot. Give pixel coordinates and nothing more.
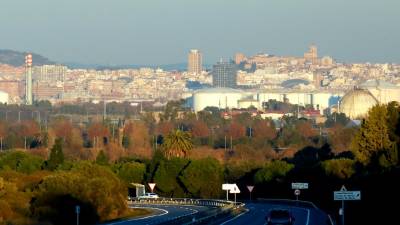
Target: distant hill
(15, 58)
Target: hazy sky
(162, 31)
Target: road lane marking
(308, 216)
(165, 212)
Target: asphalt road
(162, 213)
(256, 213)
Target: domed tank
(356, 103)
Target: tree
(56, 157)
(200, 129)
(236, 131)
(96, 189)
(137, 136)
(130, 172)
(98, 133)
(393, 120)
(372, 140)
(163, 128)
(272, 171)
(305, 129)
(3, 132)
(264, 129)
(101, 158)
(340, 138)
(20, 161)
(166, 176)
(203, 178)
(341, 168)
(177, 144)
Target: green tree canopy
(20, 161)
(56, 157)
(203, 178)
(130, 172)
(341, 168)
(99, 192)
(102, 158)
(166, 176)
(272, 170)
(372, 140)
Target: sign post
(297, 187)
(344, 195)
(77, 211)
(152, 185)
(250, 188)
(227, 187)
(235, 190)
(297, 193)
(231, 188)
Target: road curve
(256, 212)
(162, 213)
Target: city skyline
(115, 33)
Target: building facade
(224, 75)
(195, 61)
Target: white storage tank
(216, 97)
(3, 97)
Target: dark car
(279, 217)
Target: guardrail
(185, 201)
(217, 208)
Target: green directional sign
(346, 195)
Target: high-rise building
(239, 58)
(312, 55)
(195, 61)
(224, 74)
(49, 73)
(28, 79)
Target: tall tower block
(195, 62)
(28, 79)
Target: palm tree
(177, 144)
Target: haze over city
(160, 32)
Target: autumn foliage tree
(138, 138)
(264, 129)
(236, 131)
(199, 129)
(98, 133)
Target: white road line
(141, 218)
(308, 216)
(234, 218)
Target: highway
(162, 213)
(256, 212)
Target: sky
(158, 32)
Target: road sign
(227, 187)
(346, 195)
(297, 192)
(299, 185)
(250, 188)
(152, 185)
(235, 190)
